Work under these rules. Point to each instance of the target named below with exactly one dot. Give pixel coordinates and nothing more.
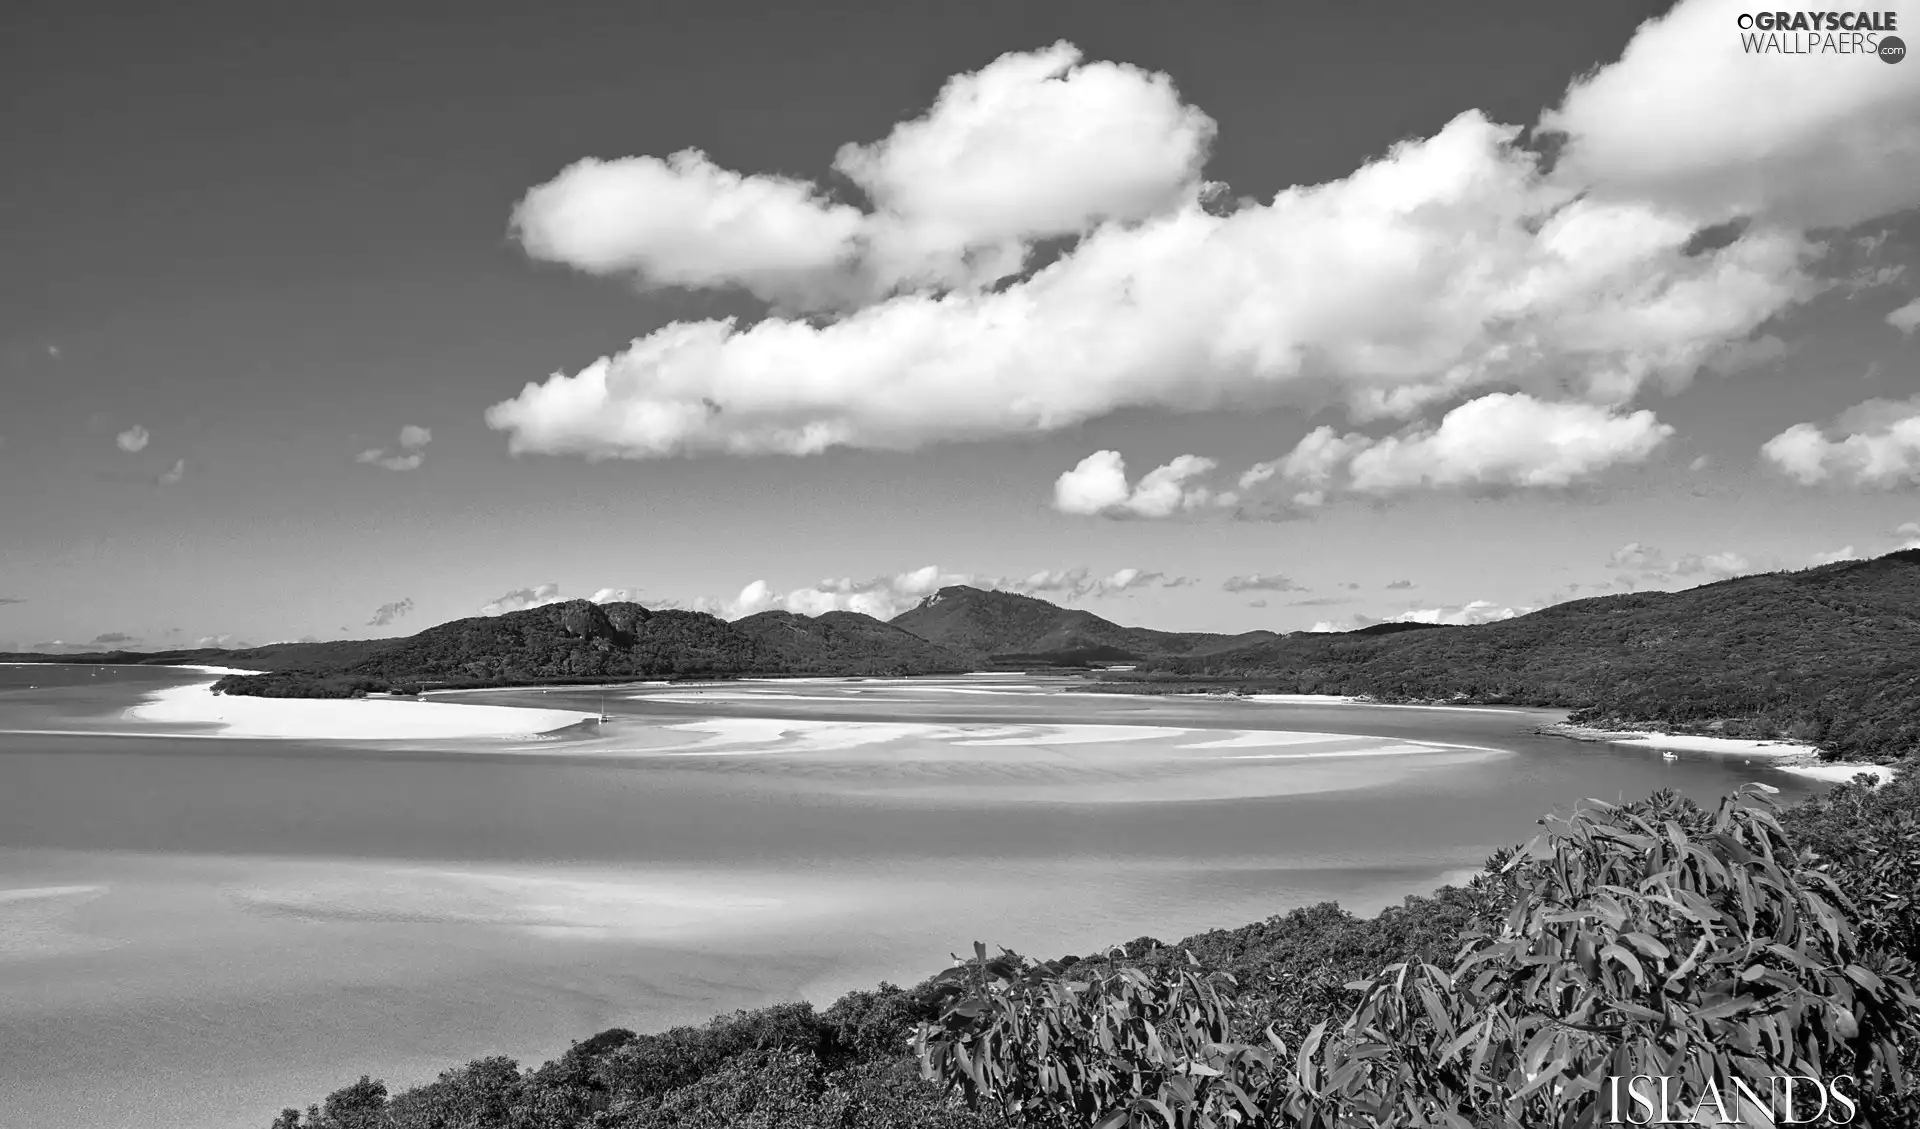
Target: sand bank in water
(343, 719)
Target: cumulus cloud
(226, 641)
(1501, 439)
(1653, 566)
(884, 597)
(388, 612)
(1877, 445)
(1448, 267)
(1844, 553)
(1035, 145)
(1077, 583)
(1908, 533)
(1498, 440)
(133, 440)
(115, 638)
(1634, 555)
(408, 456)
(1400, 584)
(1261, 582)
(1507, 439)
(172, 474)
(1688, 120)
(1474, 611)
(1098, 485)
(1718, 566)
(1906, 318)
(520, 599)
(1453, 615)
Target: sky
(341, 321)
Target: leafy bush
(1649, 941)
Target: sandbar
(343, 719)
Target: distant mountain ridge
(580, 641)
(991, 624)
(1828, 655)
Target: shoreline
(1794, 757)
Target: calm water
(197, 932)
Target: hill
(847, 643)
(1829, 655)
(579, 641)
(1009, 627)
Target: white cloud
(1908, 533)
(1878, 446)
(685, 221)
(1634, 555)
(133, 440)
(388, 612)
(1454, 615)
(1260, 582)
(1034, 145)
(1501, 439)
(173, 474)
(616, 596)
(1509, 439)
(1844, 553)
(1686, 119)
(1098, 485)
(881, 597)
(413, 442)
(1474, 611)
(1654, 567)
(1718, 566)
(379, 458)
(884, 597)
(520, 599)
(1906, 318)
(1449, 266)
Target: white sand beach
(342, 719)
(1786, 756)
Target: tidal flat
(199, 926)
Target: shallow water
(198, 932)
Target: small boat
(1669, 755)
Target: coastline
(1795, 757)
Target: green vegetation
(579, 641)
(1827, 655)
(1003, 627)
(1656, 938)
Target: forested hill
(990, 624)
(582, 641)
(1829, 655)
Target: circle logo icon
(1892, 49)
